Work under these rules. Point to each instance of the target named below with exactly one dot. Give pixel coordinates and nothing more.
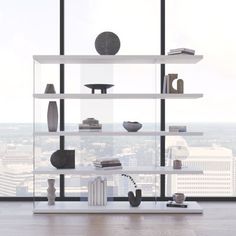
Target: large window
(32, 27)
(206, 27)
(137, 25)
(27, 28)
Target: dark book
(107, 165)
(107, 161)
(174, 204)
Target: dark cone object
(135, 200)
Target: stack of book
(177, 128)
(174, 204)
(97, 192)
(108, 164)
(178, 51)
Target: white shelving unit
(115, 207)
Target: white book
(102, 193)
(94, 192)
(105, 192)
(181, 53)
(98, 189)
(182, 49)
(89, 193)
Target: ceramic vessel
(132, 126)
(135, 200)
(50, 89)
(179, 197)
(102, 87)
(51, 192)
(52, 116)
(177, 164)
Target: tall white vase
(52, 116)
(51, 192)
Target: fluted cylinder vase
(52, 116)
(51, 192)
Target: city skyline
(205, 152)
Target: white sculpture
(51, 192)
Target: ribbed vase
(52, 116)
(51, 192)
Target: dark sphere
(107, 43)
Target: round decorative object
(107, 43)
(179, 197)
(102, 87)
(58, 159)
(132, 126)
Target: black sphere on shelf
(107, 43)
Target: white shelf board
(118, 96)
(115, 207)
(122, 133)
(126, 170)
(117, 59)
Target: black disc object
(58, 159)
(107, 43)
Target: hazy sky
(31, 27)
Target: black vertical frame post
(62, 90)
(162, 102)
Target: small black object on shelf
(63, 159)
(135, 200)
(107, 43)
(178, 205)
(102, 87)
(50, 89)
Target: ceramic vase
(177, 164)
(135, 200)
(52, 116)
(50, 89)
(51, 192)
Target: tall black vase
(52, 116)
